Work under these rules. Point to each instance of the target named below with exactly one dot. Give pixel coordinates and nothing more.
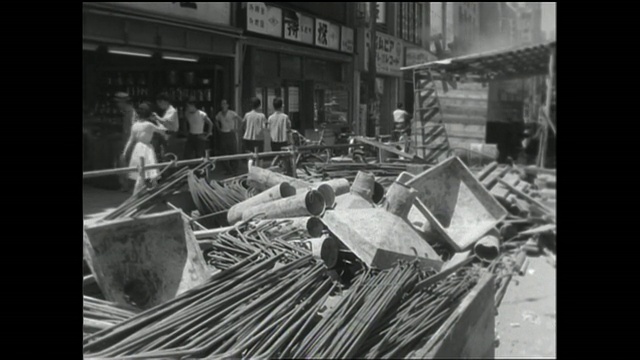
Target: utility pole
(373, 111)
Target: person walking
(196, 138)
(279, 126)
(254, 122)
(124, 104)
(169, 120)
(139, 146)
(228, 125)
(401, 119)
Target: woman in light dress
(139, 145)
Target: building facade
(402, 39)
(303, 53)
(184, 49)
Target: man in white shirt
(254, 123)
(401, 120)
(196, 139)
(169, 120)
(279, 126)
(228, 122)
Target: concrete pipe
(487, 248)
(325, 248)
(280, 191)
(339, 186)
(327, 193)
(378, 193)
(265, 179)
(399, 199)
(310, 203)
(363, 185)
(359, 197)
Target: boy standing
(254, 121)
(196, 138)
(279, 126)
(227, 121)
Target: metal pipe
(118, 171)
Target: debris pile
(334, 265)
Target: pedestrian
(124, 103)
(279, 126)
(254, 122)
(139, 146)
(400, 119)
(168, 120)
(196, 138)
(228, 121)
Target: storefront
(389, 78)
(147, 48)
(304, 60)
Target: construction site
(431, 245)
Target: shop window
(331, 106)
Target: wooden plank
(470, 331)
(528, 198)
(523, 186)
(449, 118)
(466, 96)
(490, 180)
(500, 191)
(474, 111)
(384, 147)
(487, 170)
(480, 103)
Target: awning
(523, 61)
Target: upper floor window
(410, 21)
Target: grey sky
(548, 16)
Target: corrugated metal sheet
(497, 64)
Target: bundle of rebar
(214, 196)
(419, 316)
(100, 314)
(248, 309)
(142, 201)
(350, 170)
(236, 244)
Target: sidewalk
(526, 321)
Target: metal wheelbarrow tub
(144, 261)
(455, 203)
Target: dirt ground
(526, 321)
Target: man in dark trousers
(228, 124)
(169, 120)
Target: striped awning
(523, 61)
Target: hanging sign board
(389, 53)
(346, 43)
(218, 13)
(263, 19)
(327, 35)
